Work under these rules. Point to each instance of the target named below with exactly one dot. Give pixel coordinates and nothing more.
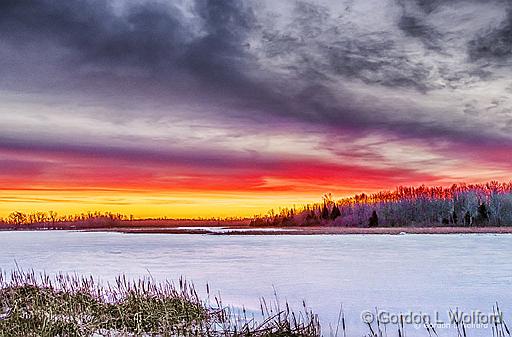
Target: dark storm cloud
(415, 27)
(208, 56)
(150, 44)
(376, 62)
(496, 43)
(430, 5)
(150, 37)
(373, 58)
(413, 23)
(150, 50)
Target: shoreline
(317, 230)
(208, 228)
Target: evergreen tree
(325, 212)
(335, 212)
(374, 220)
(483, 214)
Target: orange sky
(144, 205)
(170, 182)
(72, 184)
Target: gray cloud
(415, 27)
(324, 45)
(148, 42)
(306, 65)
(495, 43)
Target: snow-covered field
(399, 273)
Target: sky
(200, 108)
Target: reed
(69, 305)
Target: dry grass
(37, 305)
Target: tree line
(52, 218)
(488, 204)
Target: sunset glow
(210, 109)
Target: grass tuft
(69, 305)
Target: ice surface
(395, 272)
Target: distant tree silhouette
(328, 199)
(325, 212)
(458, 204)
(43, 218)
(483, 214)
(53, 216)
(374, 220)
(335, 212)
(455, 218)
(467, 219)
(17, 218)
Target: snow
(400, 273)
